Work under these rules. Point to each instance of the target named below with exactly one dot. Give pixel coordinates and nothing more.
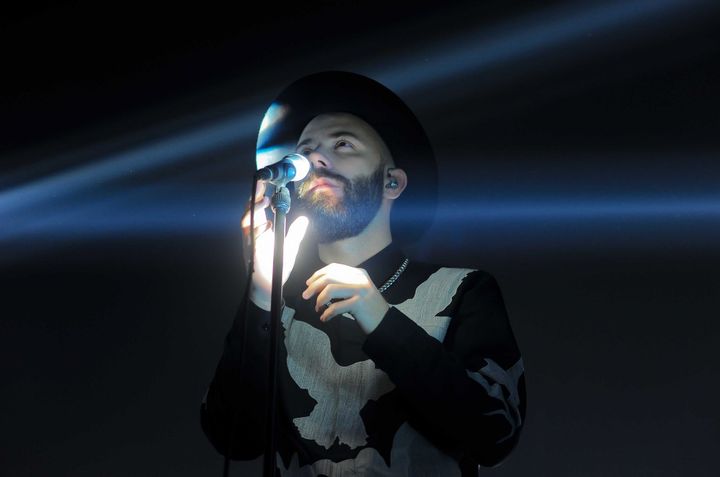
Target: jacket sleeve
(466, 394)
(232, 412)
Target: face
(344, 190)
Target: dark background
(578, 154)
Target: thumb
(296, 232)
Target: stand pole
(280, 207)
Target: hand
(355, 292)
(261, 287)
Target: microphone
(293, 167)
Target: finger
(260, 217)
(315, 276)
(259, 198)
(263, 203)
(261, 222)
(315, 286)
(319, 273)
(339, 273)
(333, 291)
(259, 230)
(260, 190)
(319, 284)
(255, 246)
(338, 308)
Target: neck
(353, 251)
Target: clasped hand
(261, 288)
(353, 292)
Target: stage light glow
(463, 54)
(275, 113)
(157, 154)
(271, 155)
(201, 210)
(102, 198)
(515, 40)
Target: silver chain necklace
(395, 276)
(385, 286)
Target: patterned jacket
(435, 390)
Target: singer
(388, 366)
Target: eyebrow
(335, 134)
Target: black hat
(340, 91)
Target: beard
(335, 218)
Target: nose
(317, 159)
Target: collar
(380, 267)
(383, 264)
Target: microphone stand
(280, 206)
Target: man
(388, 366)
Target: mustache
(321, 173)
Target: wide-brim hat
(340, 91)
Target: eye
(344, 143)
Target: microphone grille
(301, 165)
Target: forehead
(332, 123)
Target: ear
(397, 177)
